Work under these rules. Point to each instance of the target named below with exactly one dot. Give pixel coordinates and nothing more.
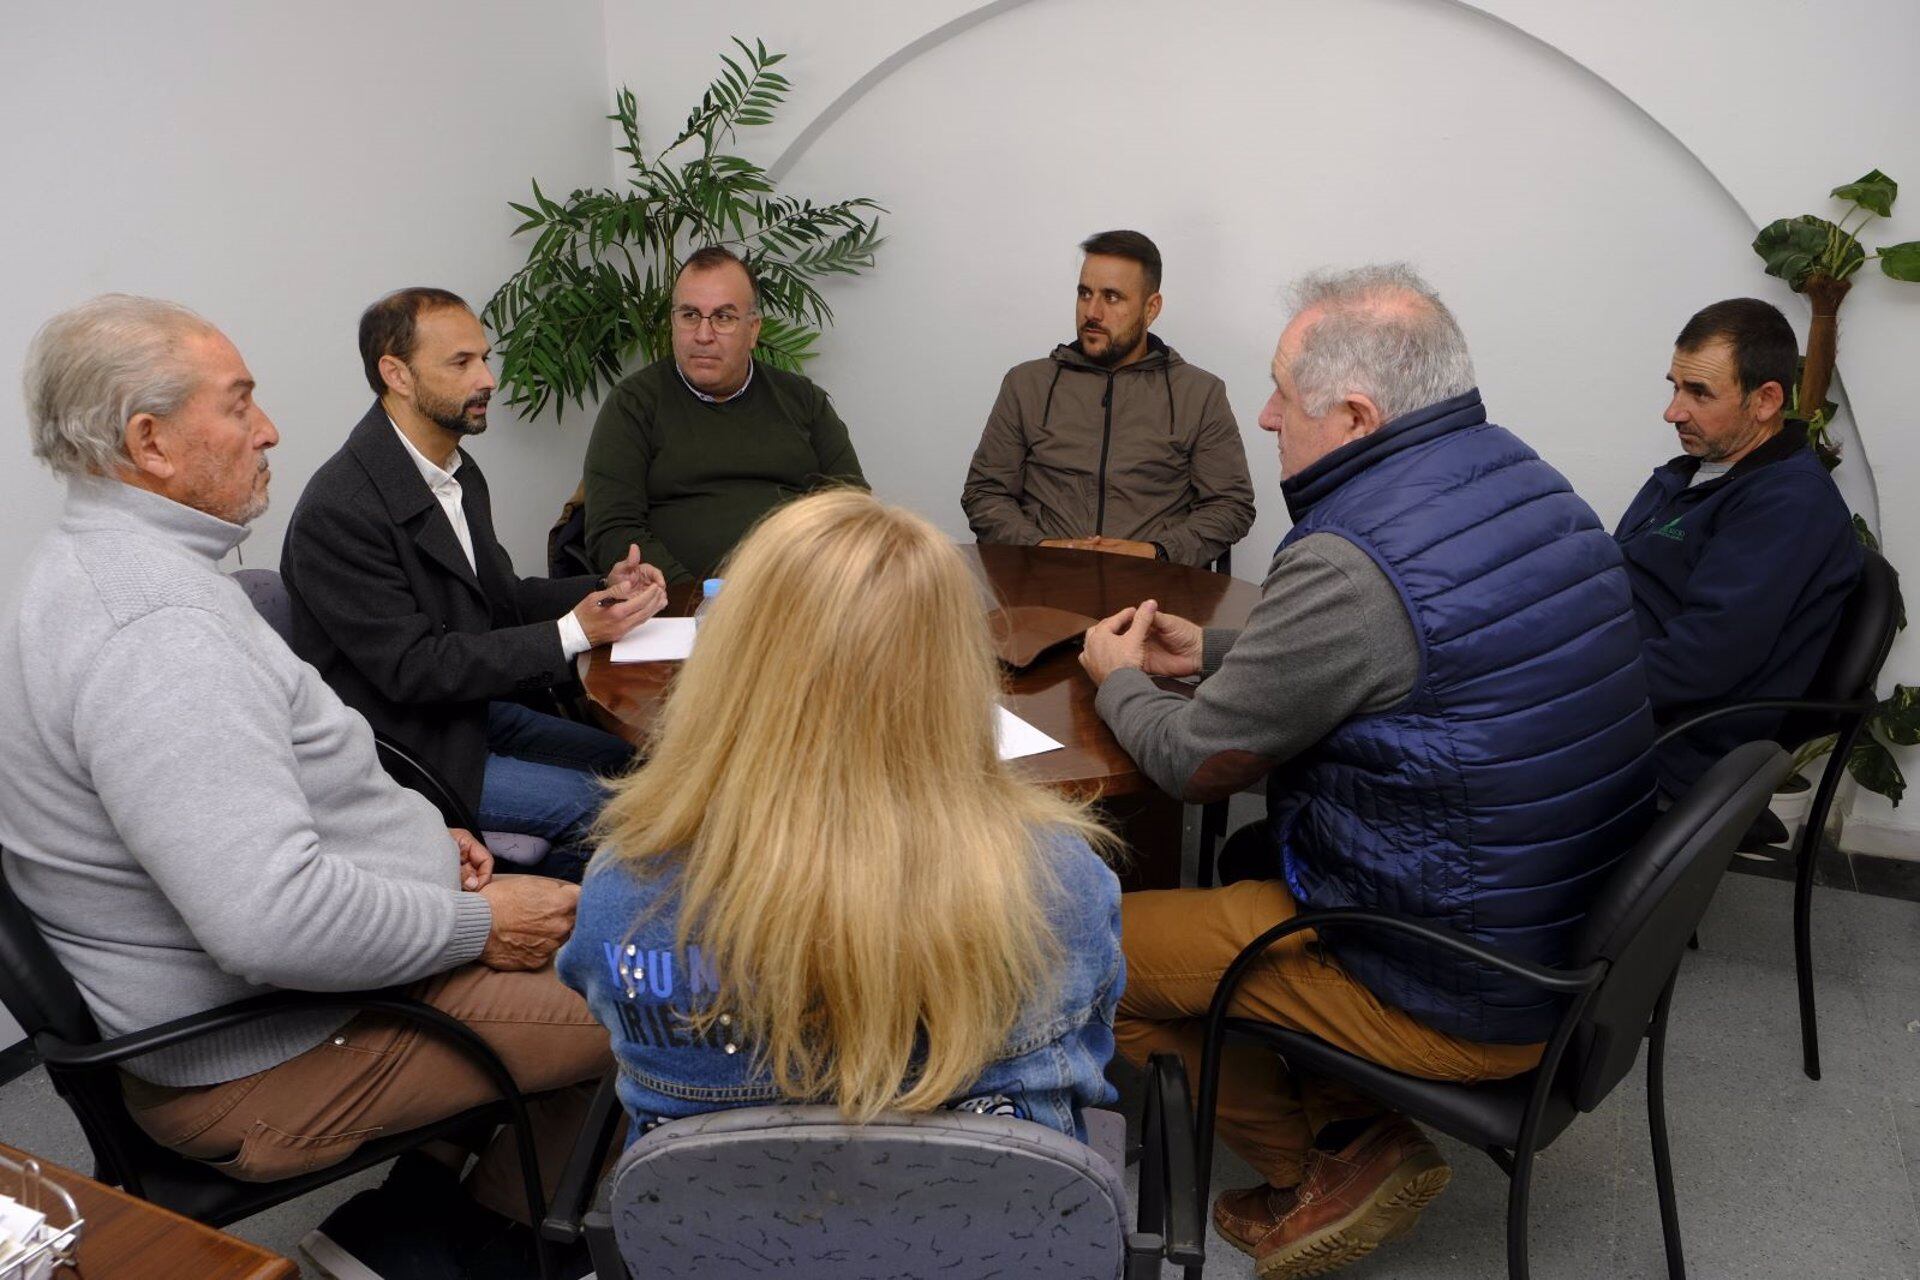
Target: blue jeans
(543, 779)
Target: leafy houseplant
(598, 282)
(1819, 257)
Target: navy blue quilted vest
(1495, 799)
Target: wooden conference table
(126, 1238)
(1054, 695)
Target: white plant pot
(1791, 806)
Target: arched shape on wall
(1850, 435)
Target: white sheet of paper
(656, 640)
(671, 640)
(1018, 738)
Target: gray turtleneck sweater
(188, 811)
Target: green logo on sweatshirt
(1671, 529)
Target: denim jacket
(639, 983)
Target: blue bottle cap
(711, 587)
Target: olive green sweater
(686, 478)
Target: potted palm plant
(597, 284)
(1819, 257)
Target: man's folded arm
(201, 786)
(994, 485)
(832, 444)
(1222, 509)
(1329, 640)
(614, 480)
(350, 582)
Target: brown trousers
(1179, 943)
(379, 1074)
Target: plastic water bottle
(709, 592)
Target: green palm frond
(785, 345)
(595, 290)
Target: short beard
(457, 420)
(248, 511)
(257, 500)
(255, 508)
(1119, 347)
(451, 415)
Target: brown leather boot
(1347, 1204)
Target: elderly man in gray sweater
(193, 817)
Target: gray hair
(1383, 333)
(91, 369)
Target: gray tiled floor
(1778, 1175)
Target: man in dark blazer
(407, 604)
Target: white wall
(277, 168)
(1575, 178)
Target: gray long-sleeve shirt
(188, 811)
(1329, 640)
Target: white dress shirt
(446, 490)
(698, 394)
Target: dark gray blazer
(386, 607)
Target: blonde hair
(868, 878)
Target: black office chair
(1213, 828)
(1629, 955)
(801, 1191)
(1839, 701)
(415, 774)
(512, 850)
(567, 539)
(1213, 817)
(40, 994)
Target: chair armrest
(426, 780)
(1578, 983)
(107, 1053)
(1563, 981)
(1838, 706)
(1178, 1181)
(582, 1174)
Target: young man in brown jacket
(1112, 443)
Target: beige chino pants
(1179, 943)
(381, 1074)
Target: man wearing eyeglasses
(690, 451)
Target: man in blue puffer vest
(1442, 687)
(1741, 550)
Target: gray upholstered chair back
(797, 1191)
(268, 595)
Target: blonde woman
(824, 885)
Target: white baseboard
(1882, 839)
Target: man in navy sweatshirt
(1741, 550)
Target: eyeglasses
(687, 320)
